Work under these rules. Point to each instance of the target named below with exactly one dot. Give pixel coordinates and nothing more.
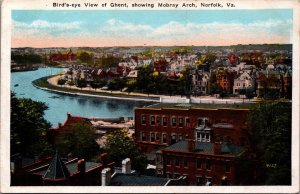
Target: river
(59, 104)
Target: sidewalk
(146, 97)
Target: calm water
(76, 105)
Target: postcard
(150, 96)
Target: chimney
(217, 148)
(105, 177)
(126, 166)
(103, 159)
(191, 145)
(81, 166)
(59, 125)
(68, 115)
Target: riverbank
(48, 84)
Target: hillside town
(167, 143)
(224, 72)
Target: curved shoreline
(89, 93)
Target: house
(56, 133)
(225, 78)
(204, 163)
(59, 56)
(161, 125)
(200, 81)
(243, 81)
(269, 84)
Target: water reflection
(76, 105)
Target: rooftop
(137, 180)
(71, 167)
(202, 105)
(206, 148)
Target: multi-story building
(161, 125)
(204, 163)
(200, 82)
(243, 81)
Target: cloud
(44, 28)
(115, 32)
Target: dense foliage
(79, 141)
(28, 127)
(119, 146)
(270, 124)
(26, 58)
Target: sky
(49, 28)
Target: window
(200, 122)
(152, 137)
(177, 161)
(173, 139)
(152, 120)
(227, 167)
(180, 122)
(208, 164)
(143, 136)
(185, 162)
(157, 120)
(164, 138)
(173, 121)
(187, 121)
(198, 163)
(143, 119)
(168, 161)
(179, 137)
(164, 121)
(198, 180)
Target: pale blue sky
(56, 24)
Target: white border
(9, 5)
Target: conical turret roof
(57, 169)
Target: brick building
(161, 125)
(59, 56)
(204, 163)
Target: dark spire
(57, 169)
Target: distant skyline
(47, 28)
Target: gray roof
(206, 147)
(137, 180)
(57, 169)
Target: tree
(270, 127)
(28, 127)
(79, 141)
(70, 83)
(61, 81)
(81, 83)
(119, 146)
(85, 57)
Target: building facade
(161, 125)
(203, 163)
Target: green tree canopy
(85, 57)
(28, 127)
(81, 83)
(270, 126)
(119, 146)
(61, 81)
(79, 141)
